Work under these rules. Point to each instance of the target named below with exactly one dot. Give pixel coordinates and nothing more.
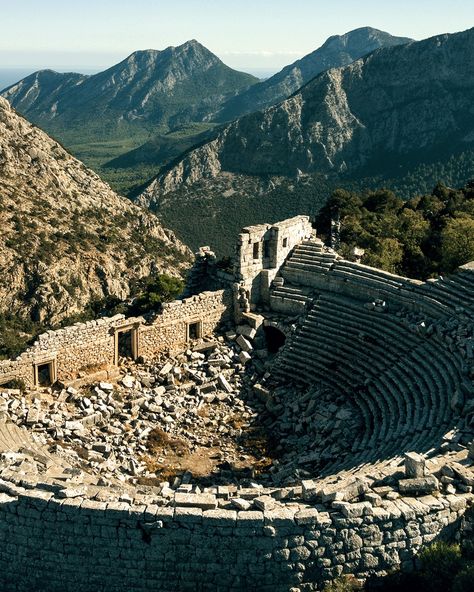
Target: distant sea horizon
(10, 75)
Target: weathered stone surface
(466, 474)
(414, 465)
(418, 486)
(205, 501)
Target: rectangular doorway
(126, 344)
(45, 373)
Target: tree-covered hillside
(420, 238)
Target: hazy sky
(246, 34)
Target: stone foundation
(63, 545)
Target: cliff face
(337, 51)
(396, 102)
(66, 237)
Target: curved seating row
(402, 382)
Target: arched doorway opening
(275, 339)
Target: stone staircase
(453, 291)
(290, 299)
(306, 262)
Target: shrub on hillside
(440, 562)
(157, 290)
(464, 580)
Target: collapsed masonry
(362, 379)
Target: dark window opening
(266, 249)
(125, 349)
(256, 250)
(194, 330)
(285, 242)
(44, 375)
(275, 339)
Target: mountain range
(148, 90)
(337, 51)
(365, 108)
(146, 110)
(409, 103)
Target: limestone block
(244, 357)
(166, 369)
(205, 501)
(353, 510)
(307, 516)
(250, 519)
(188, 515)
(220, 517)
(264, 502)
(418, 486)
(254, 320)
(224, 384)
(246, 331)
(345, 492)
(466, 474)
(240, 503)
(280, 516)
(415, 465)
(310, 489)
(244, 344)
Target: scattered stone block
(240, 503)
(128, 381)
(246, 331)
(264, 503)
(224, 384)
(244, 357)
(166, 369)
(309, 489)
(244, 344)
(253, 319)
(465, 474)
(71, 492)
(345, 491)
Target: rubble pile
(203, 414)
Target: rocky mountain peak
(167, 88)
(336, 51)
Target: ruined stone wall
(86, 347)
(76, 349)
(262, 249)
(169, 331)
(76, 545)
